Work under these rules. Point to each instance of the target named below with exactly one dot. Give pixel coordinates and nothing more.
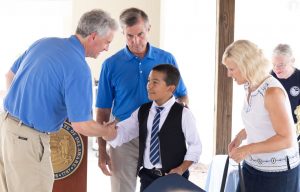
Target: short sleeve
(78, 95)
(105, 93)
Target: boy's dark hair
(172, 74)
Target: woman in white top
(271, 157)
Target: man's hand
(111, 130)
(104, 162)
(184, 101)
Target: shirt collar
(149, 53)
(167, 105)
(75, 41)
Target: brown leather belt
(14, 118)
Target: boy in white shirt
(168, 138)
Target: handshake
(110, 130)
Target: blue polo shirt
(123, 80)
(52, 82)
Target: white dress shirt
(129, 129)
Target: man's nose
(106, 48)
(135, 39)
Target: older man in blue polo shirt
(50, 81)
(122, 88)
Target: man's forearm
(102, 146)
(102, 115)
(94, 129)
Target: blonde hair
(250, 60)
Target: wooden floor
(97, 181)
(198, 174)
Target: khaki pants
(124, 165)
(25, 158)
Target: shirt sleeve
(79, 94)
(15, 67)
(105, 94)
(192, 138)
(126, 130)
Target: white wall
(23, 22)
(188, 31)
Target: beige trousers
(25, 158)
(124, 164)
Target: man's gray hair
(97, 21)
(283, 49)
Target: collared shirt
(52, 82)
(129, 129)
(123, 80)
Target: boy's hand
(181, 168)
(176, 170)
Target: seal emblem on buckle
(66, 151)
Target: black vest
(171, 138)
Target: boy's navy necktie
(154, 142)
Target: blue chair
(173, 183)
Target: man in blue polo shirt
(122, 88)
(50, 82)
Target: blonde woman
(271, 157)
